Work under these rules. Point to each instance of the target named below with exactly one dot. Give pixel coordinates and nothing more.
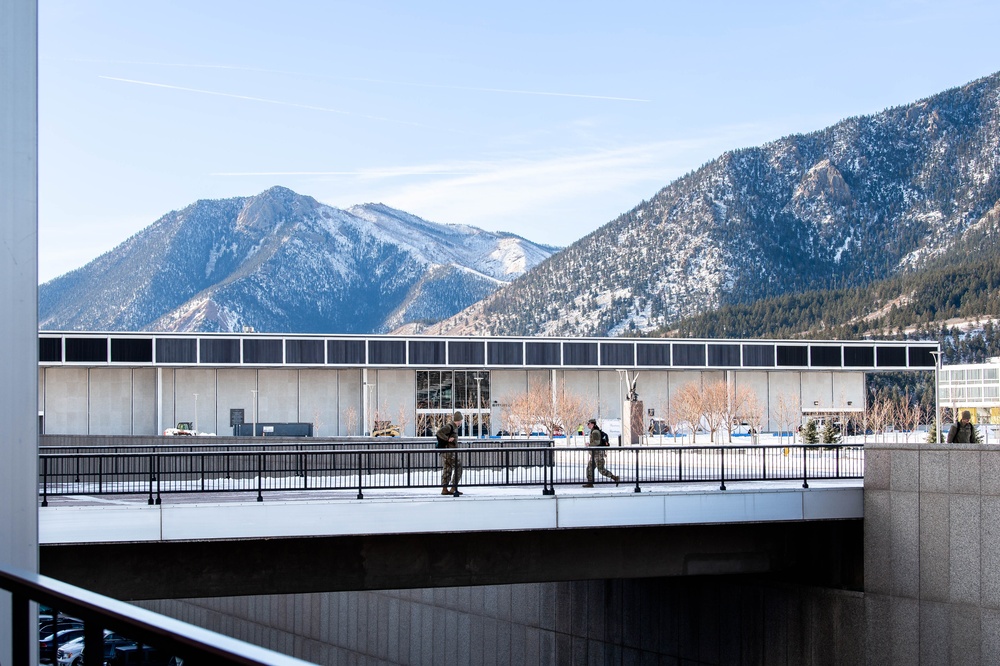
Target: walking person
(963, 432)
(451, 466)
(598, 439)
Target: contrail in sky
(265, 100)
(508, 91)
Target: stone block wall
(932, 553)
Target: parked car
(125, 655)
(48, 645)
(71, 654)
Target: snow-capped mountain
(283, 262)
(867, 198)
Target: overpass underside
(828, 553)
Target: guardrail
(265, 470)
(182, 643)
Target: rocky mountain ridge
(283, 262)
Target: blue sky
(546, 119)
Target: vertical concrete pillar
(18, 294)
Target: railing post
(100, 475)
(805, 474)
(152, 477)
(45, 481)
(506, 466)
(93, 644)
(837, 461)
(637, 489)
(548, 469)
(680, 462)
(260, 477)
(722, 467)
(361, 494)
(159, 473)
(21, 634)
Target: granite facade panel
(935, 546)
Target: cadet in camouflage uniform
(963, 432)
(597, 456)
(451, 466)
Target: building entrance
(441, 392)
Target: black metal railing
(265, 470)
(149, 633)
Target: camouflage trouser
(597, 459)
(450, 465)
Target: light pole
(196, 413)
(253, 392)
(937, 393)
(479, 404)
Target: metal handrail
(262, 471)
(172, 637)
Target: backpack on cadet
(442, 440)
(604, 439)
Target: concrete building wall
(817, 389)
(349, 392)
(319, 392)
(18, 297)
(687, 620)
(394, 397)
(932, 553)
(123, 400)
(67, 401)
(278, 396)
(144, 401)
(783, 389)
(110, 401)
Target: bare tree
(716, 410)
(571, 410)
(789, 413)
(689, 402)
(402, 420)
(753, 414)
(351, 420)
(733, 406)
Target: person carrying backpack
(598, 439)
(451, 466)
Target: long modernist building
(141, 383)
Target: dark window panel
(653, 354)
(859, 357)
(617, 354)
(345, 352)
(723, 355)
(427, 352)
(303, 351)
(262, 351)
(758, 356)
(50, 350)
(580, 353)
(176, 350)
(792, 355)
(825, 356)
(689, 354)
(541, 353)
(890, 356)
(92, 350)
(920, 357)
(220, 351)
(387, 352)
(505, 353)
(131, 350)
(463, 352)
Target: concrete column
(18, 294)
